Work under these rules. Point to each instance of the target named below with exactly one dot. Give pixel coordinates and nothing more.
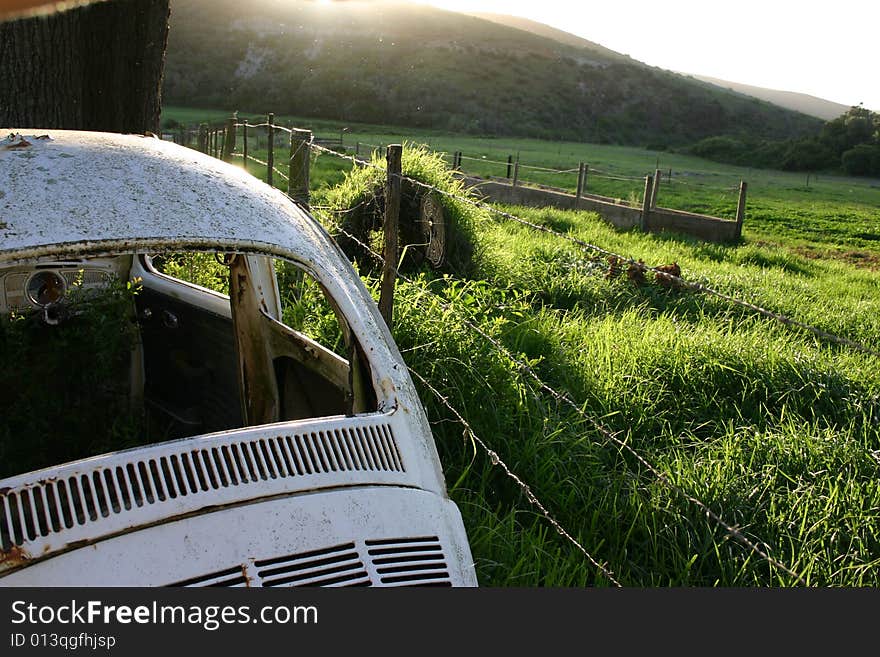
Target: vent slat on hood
(409, 561)
(343, 565)
(45, 511)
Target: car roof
(80, 193)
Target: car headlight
(45, 287)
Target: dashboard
(34, 287)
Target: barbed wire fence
(604, 431)
(757, 547)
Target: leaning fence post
(298, 166)
(509, 165)
(655, 188)
(516, 171)
(270, 159)
(646, 202)
(392, 215)
(580, 185)
(741, 208)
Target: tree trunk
(97, 67)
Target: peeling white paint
(128, 193)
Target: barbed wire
(600, 428)
(513, 163)
(525, 488)
(261, 162)
(493, 456)
(696, 287)
(527, 369)
(592, 171)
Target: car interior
(101, 354)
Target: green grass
(772, 428)
(827, 216)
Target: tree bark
(97, 67)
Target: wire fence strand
(525, 488)
(732, 531)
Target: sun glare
(748, 45)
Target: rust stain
(15, 556)
(247, 578)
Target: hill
(798, 102)
(382, 62)
(528, 25)
(804, 103)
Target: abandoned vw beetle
(155, 430)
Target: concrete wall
(711, 229)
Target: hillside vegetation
(427, 68)
(818, 107)
(798, 102)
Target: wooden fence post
(646, 202)
(655, 188)
(244, 143)
(516, 171)
(580, 185)
(586, 173)
(270, 159)
(509, 166)
(229, 137)
(392, 215)
(741, 208)
(357, 149)
(298, 166)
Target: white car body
(353, 498)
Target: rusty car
(261, 432)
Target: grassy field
(823, 216)
(773, 429)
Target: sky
(829, 50)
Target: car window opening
(195, 346)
